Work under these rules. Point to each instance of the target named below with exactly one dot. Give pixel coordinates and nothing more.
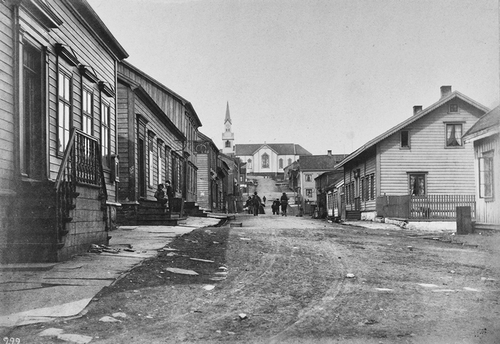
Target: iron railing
(81, 164)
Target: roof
(158, 84)
(320, 162)
(412, 119)
(228, 116)
(488, 124)
(98, 26)
(279, 148)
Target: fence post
(464, 223)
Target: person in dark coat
(284, 204)
(264, 199)
(249, 205)
(160, 195)
(276, 207)
(170, 195)
(256, 204)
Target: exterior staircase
(193, 209)
(353, 215)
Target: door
(32, 126)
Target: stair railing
(81, 164)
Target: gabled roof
(205, 138)
(228, 116)
(412, 119)
(487, 125)
(97, 26)
(320, 162)
(158, 84)
(279, 148)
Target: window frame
(87, 116)
(105, 135)
(309, 193)
(64, 124)
(458, 138)
(401, 139)
(450, 110)
(486, 177)
(308, 177)
(265, 160)
(411, 188)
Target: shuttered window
(64, 110)
(486, 175)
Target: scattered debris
(52, 332)
(129, 250)
(216, 242)
(208, 231)
(410, 248)
(452, 271)
(169, 249)
(350, 275)
(221, 273)
(208, 287)
(370, 321)
(94, 248)
(242, 316)
(443, 290)
(119, 315)
(425, 285)
(471, 289)
(75, 338)
(108, 319)
(182, 271)
(222, 268)
(217, 278)
(231, 332)
(247, 239)
(383, 289)
(203, 260)
(172, 254)
(488, 279)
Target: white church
(262, 159)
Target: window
(249, 164)
(265, 160)
(151, 160)
(453, 135)
(64, 110)
(167, 165)
(105, 133)
(308, 177)
(289, 161)
(160, 162)
(281, 163)
(405, 139)
(453, 107)
(309, 193)
(486, 175)
(417, 184)
(372, 186)
(87, 112)
(228, 144)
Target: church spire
(228, 116)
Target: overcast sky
(326, 74)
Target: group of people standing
(164, 195)
(255, 206)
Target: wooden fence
(429, 207)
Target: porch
(424, 208)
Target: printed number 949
(11, 340)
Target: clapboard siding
(449, 170)
(203, 181)
(123, 141)
(487, 210)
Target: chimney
(417, 109)
(329, 152)
(445, 90)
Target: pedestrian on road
(249, 205)
(284, 204)
(256, 204)
(276, 207)
(264, 199)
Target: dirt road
(298, 280)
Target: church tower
(227, 135)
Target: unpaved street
(288, 280)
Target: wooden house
(157, 130)
(325, 186)
(233, 196)
(57, 132)
(484, 136)
(305, 170)
(419, 169)
(207, 160)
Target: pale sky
(325, 74)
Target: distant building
(269, 159)
(302, 174)
(228, 135)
